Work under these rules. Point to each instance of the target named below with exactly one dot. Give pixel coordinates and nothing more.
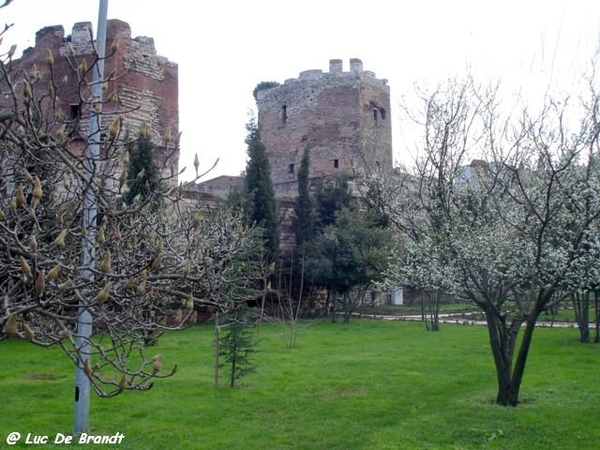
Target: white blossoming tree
(512, 233)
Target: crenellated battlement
(336, 69)
(145, 84)
(80, 41)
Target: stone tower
(146, 84)
(342, 117)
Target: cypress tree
(143, 176)
(260, 205)
(303, 220)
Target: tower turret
(342, 117)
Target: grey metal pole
(92, 153)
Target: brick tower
(342, 117)
(146, 84)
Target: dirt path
(462, 319)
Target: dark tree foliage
(350, 252)
(343, 255)
(349, 255)
(303, 220)
(263, 85)
(143, 177)
(260, 204)
(331, 195)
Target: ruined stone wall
(146, 84)
(342, 117)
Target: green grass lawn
(366, 385)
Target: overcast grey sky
(224, 48)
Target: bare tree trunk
(233, 368)
(330, 302)
(360, 306)
(217, 352)
(581, 305)
(296, 314)
(347, 307)
(597, 314)
(500, 351)
(293, 336)
(519, 369)
(503, 341)
(430, 310)
(262, 310)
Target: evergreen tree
(143, 177)
(236, 344)
(260, 205)
(349, 255)
(303, 220)
(331, 195)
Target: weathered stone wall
(342, 117)
(285, 228)
(146, 84)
